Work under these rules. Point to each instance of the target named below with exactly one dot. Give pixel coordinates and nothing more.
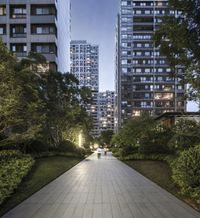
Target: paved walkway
(104, 188)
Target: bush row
(12, 171)
(6, 154)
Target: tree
(63, 100)
(21, 110)
(105, 137)
(186, 134)
(179, 40)
(130, 135)
(38, 104)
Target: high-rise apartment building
(39, 26)
(85, 67)
(106, 111)
(143, 81)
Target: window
(44, 48)
(19, 48)
(2, 10)
(2, 29)
(124, 3)
(147, 95)
(18, 30)
(138, 70)
(147, 12)
(43, 10)
(124, 70)
(147, 70)
(138, 12)
(18, 12)
(43, 29)
(180, 87)
(124, 61)
(168, 70)
(138, 53)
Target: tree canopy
(37, 103)
(179, 40)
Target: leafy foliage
(12, 171)
(142, 135)
(179, 40)
(133, 131)
(155, 140)
(38, 104)
(186, 172)
(105, 137)
(185, 133)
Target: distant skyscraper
(106, 111)
(85, 67)
(142, 74)
(38, 26)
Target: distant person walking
(98, 153)
(105, 151)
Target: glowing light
(80, 139)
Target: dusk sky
(95, 21)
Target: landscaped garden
(168, 156)
(41, 116)
(22, 176)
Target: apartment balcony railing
(20, 54)
(18, 35)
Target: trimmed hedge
(139, 156)
(12, 171)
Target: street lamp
(80, 139)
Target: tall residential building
(39, 26)
(143, 82)
(85, 67)
(106, 111)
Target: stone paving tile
(104, 188)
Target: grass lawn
(44, 171)
(160, 173)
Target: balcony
(20, 54)
(42, 2)
(3, 19)
(43, 19)
(19, 49)
(18, 12)
(43, 38)
(18, 35)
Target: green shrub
(12, 171)
(126, 150)
(186, 172)
(186, 133)
(139, 156)
(155, 141)
(6, 154)
(37, 147)
(68, 146)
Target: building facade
(85, 67)
(38, 26)
(106, 111)
(143, 81)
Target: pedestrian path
(104, 188)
